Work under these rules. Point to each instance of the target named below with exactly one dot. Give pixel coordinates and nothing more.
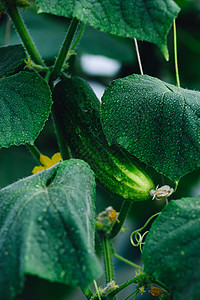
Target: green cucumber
(77, 114)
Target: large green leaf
(172, 248)
(47, 228)
(11, 57)
(25, 103)
(157, 122)
(148, 20)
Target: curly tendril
(136, 237)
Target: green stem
(38, 68)
(47, 76)
(97, 290)
(127, 283)
(126, 261)
(132, 295)
(34, 151)
(64, 50)
(78, 37)
(107, 250)
(23, 33)
(136, 279)
(64, 148)
(121, 287)
(121, 218)
(175, 55)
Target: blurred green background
(95, 50)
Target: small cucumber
(77, 114)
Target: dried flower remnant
(108, 215)
(110, 286)
(161, 193)
(112, 214)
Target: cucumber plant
(142, 128)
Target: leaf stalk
(64, 50)
(34, 151)
(130, 263)
(175, 54)
(107, 250)
(23, 32)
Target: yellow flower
(142, 290)
(47, 162)
(155, 291)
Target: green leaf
(25, 104)
(172, 247)
(47, 228)
(11, 58)
(157, 122)
(148, 20)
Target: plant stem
(64, 148)
(78, 37)
(121, 218)
(38, 68)
(123, 286)
(107, 250)
(127, 283)
(23, 33)
(132, 295)
(126, 261)
(97, 290)
(136, 280)
(175, 55)
(138, 56)
(34, 151)
(64, 50)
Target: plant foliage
(25, 104)
(141, 19)
(11, 58)
(47, 228)
(172, 247)
(157, 122)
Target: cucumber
(77, 114)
